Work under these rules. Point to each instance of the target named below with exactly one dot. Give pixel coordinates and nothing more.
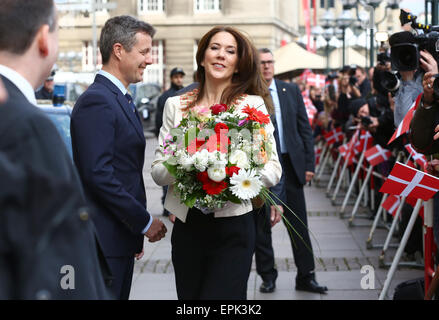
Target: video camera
(405, 46)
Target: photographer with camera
(406, 62)
(367, 114)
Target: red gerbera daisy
(256, 115)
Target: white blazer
(172, 116)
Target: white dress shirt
(278, 113)
(20, 82)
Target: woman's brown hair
(247, 80)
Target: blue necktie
(130, 101)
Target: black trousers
(122, 271)
(212, 257)
(264, 253)
(295, 200)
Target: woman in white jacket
(212, 253)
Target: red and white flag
(391, 204)
(305, 74)
(333, 136)
(409, 182)
(316, 80)
(377, 154)
(404, 126)
(418, 157)
(345, 152)
(364, 142)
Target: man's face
(360, 75)
(48, 84)
(177, 79)
(133, 63)
(364, 111)
(267, 66)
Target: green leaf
(172, 169)
(234, 199)
(190, 202)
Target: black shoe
(310, 286)
(267, 287)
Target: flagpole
(400, 250)
(369, 244)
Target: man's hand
(427, 83)
(171, 218)
(276, 214)
(308, 176)
(156, 231)
(139, 256)
(428, 63)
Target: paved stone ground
(340, 253)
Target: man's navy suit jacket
(108, 150)
(297, 133)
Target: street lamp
(343, 21)
(316, 31)
(327, 35)
(327, 22)
(349, 4)
(373, 4)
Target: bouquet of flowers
(216, 155)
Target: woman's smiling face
(221, 57)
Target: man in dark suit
(44, 225)
(296, 149)
(176, 76)
(109, 148)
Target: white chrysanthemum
(201, 160)
(240, 159)
(246, 184)
(186, 162)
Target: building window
(207, 5)
(154, 73)
(151, 6)
(87, 57)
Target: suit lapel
(124, 104)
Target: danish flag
(345, 151)
(409, 182)
(305, 74)
(377, 154)
(364, 143)
(418, 157)
(391, 204)
(333, 136)
(316, 80)
(404, 126)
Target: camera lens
(405, 57)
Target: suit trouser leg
(122, 270)
(212, 256)
(264, 253)
(187, 258)
(230, 258)
(303, 254)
